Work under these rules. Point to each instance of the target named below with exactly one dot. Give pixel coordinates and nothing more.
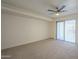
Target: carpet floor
(44, 49)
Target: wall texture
(53, 29)
(17, 30)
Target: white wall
(17, 30)
(53, 29)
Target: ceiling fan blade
(62, 7)
(57, 8)
(52, 10)
(63, 11)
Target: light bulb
(57, 14)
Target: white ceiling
(41, 6)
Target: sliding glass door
(66, 30)
(70, 30)
(60, 30)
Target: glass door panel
(70, 30)
(60, 30)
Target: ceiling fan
(58, 10)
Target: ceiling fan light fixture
(57, 14)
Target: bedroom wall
(18, 30)
(53, 29)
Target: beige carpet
(45, 49)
